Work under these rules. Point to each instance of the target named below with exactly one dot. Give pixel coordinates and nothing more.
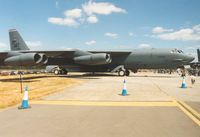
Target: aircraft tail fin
(16, 41)
(198, 54)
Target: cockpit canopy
(177, 51)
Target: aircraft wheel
(121, 73)
(64, 71)
(127, 72)
(56, 71)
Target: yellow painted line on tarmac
(99, 103)
(191, 113)
(194, 112)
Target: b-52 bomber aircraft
(92, 61)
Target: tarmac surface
(156, 106)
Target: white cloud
(104, 8)
(112, 35)
(63, 21)
(70, 22)
(92, 19)
(130, 33)
(34, 44)
(185, 34)
(157, 30)
(2, 45)
(92, 42)
(53, 20)
(87, 13)
(73, 13)
(144, 45)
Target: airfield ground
(156, 106)
(39, 85)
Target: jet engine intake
(93, 59)
(26, 59)
(44, 59)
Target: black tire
(127, 72)
(121, 73)
(64, 71)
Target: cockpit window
(177, 51)
(180, 51)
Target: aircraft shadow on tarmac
(17, 80)
(78, 76)
(158, 76)
(114, 75)
(36, 78)
(91, 76)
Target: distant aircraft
(92, 61)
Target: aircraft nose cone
(189, 58)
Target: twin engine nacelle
(26, 59)
(93, 59)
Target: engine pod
(25, 59)
(93, 59)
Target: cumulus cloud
(92, 42)
(185, 34)
(34, 44)
(2, 45)
(73, 13)
(157, 30)
(87, 13)
(112, 35)
(92, 19)
(103, 8)
(63, 21)
(144, 45)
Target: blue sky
(102, 24)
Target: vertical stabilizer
(198, 54)
(16, 41)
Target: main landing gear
(58, 71)
(123, 72)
